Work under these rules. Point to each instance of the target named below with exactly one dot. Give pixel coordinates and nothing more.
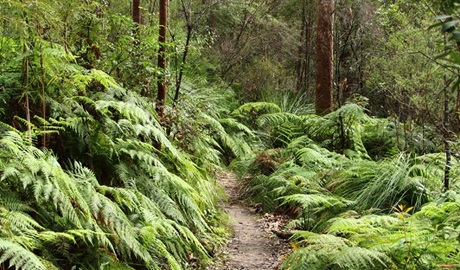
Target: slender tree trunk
(304, 51)
(44, 137)
(301, 54)
(138, 21)
(43, 94)
(42, 86)
(161, 98)
(188, 19)
(338, 51)
(25, 72)
(457, 103)
(446, 139)
(324, 56)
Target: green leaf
(435, 25)
(456, 35)
(442, 17)
(449, 26)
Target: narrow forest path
(252, 245)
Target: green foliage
(85, 185)
(335, 192)
(200, 124)
(103, 196)
(74, 212)
(383, 184)
(250, 47)
(403, 77)
(342, 130)
(325, 251)
(425, 240)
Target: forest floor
(253, 246)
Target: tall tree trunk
(137, 19)
(161, 98)
(324, 56)
(137, 12)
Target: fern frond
(350, 226)
(256, 107)
(316, 201)
(308, 256)
(12, 202)
(325, 251)
(328, 241)
(316, 251)
(278, 118)
(17, 222)
(360, 258)
(19, 257)
(308, 156)
(235, 125)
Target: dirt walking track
(252, 246)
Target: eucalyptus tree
(324, 57)
(137, 18)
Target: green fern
(341, 130)
(18, 256)
(387, 183)
(256, 107)
(99, 216)
(323, 251)
(317, 202)
(360, 258)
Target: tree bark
(324, 56)
(162, 64)
(137, 11)
(137, 19)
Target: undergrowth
(356, 201)
(89, 187)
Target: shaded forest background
(115, 116)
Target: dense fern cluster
(135, 208)
(87, 187)
(91, 177)
(349, 196)
(64, 218)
